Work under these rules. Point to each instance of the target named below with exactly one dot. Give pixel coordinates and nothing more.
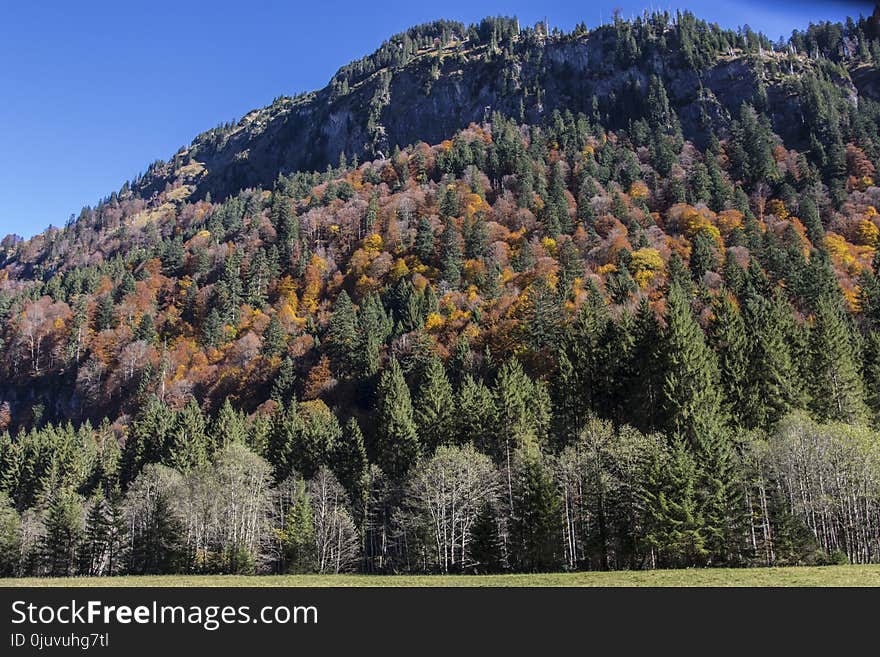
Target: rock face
(429, 102)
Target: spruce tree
(837, 392)
(64, 531)
(536, 515)
(397, 440)
(434, 412)
(450, 254)
(188, 447)
(728, 338)
(350, 464)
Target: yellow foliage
(647, 258)
(778, 209)
(607, 269)
(373, 243)
(638, 190)
(549, 245)
(867, 233)
(433, 322)
(398, 270)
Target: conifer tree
(424, 242)
(397, 440)
(350, 464)
(728, 338)
(836, 387)
(433, 407)
(298, 534)
(772, 391)
(188, 447)
(64, 531)
(342, 333)
(536, 515)
(228, 427)
(285, 432)
(674, 531)
(273, 338)
(450, 254)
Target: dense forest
(589, 339)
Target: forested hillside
(627, 316)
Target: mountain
(435, 79)
(617, 284)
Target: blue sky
(92, 95)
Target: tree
(433, 407)
(397, 439)
(274, 339)
(536, 515)
(188, 440)
(674, 532)
(298, 534)
(285, 432)
(154, 521)
(837, 392)
(10, 537)
(342, 333)
(64, 531)
(772, 390)
(446, 494)
(336, 539)
(350, 464)
(424, 243)
(728, 338)
(228, 427)
(450, 254)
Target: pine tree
(536, 515)
(674, 527)
(212, 329)
(728, 338)
(64, 530)
(836, 387)
(274, 340)
(450, 254)
(772, 390)
(703, 256)
(342, 333)
(486, 542)
(188, 447)
(228, 427)
(397, 440)
(298, 535)
(433, 407)
(350, 464)
(285, 432)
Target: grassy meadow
(749, 577)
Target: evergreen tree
(536, 515)
(836, 387)
(285, 431)
(350, 464)
(772, 391)
(342, 333)
(728, 338)
(397, 440)
(298, 535)
(64, 532)
(424, 244)
(433, 408)
(188, 447)
(274, 340)
(450, 254)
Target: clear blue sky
(95, 91)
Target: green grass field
(801, 576)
